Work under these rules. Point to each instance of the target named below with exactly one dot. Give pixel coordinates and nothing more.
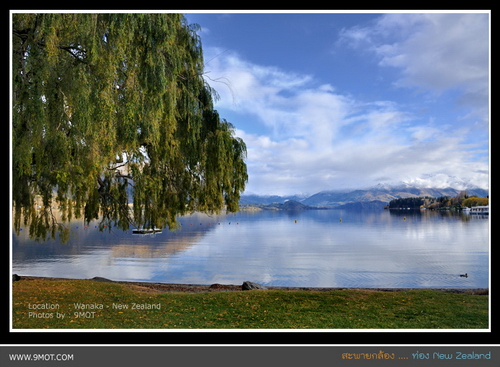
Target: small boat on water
(146, 231)
(478, 210)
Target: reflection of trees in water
(87, 238)
(427, 214)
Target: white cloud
(260, 91)
(435, 52)
(316, 139)
(448, 51)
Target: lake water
(315, 248)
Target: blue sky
(329, 101)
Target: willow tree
(112, 119)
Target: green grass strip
(86, 304)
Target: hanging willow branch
(112, 119)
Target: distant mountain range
(287, 205)
(374, 197)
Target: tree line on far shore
(443, 202)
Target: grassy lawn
(40, 304)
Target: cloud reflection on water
(309, 248)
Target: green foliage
(412, 203)
(110, 109)
(475, 201)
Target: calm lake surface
(313, 248)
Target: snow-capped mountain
(376, 196)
